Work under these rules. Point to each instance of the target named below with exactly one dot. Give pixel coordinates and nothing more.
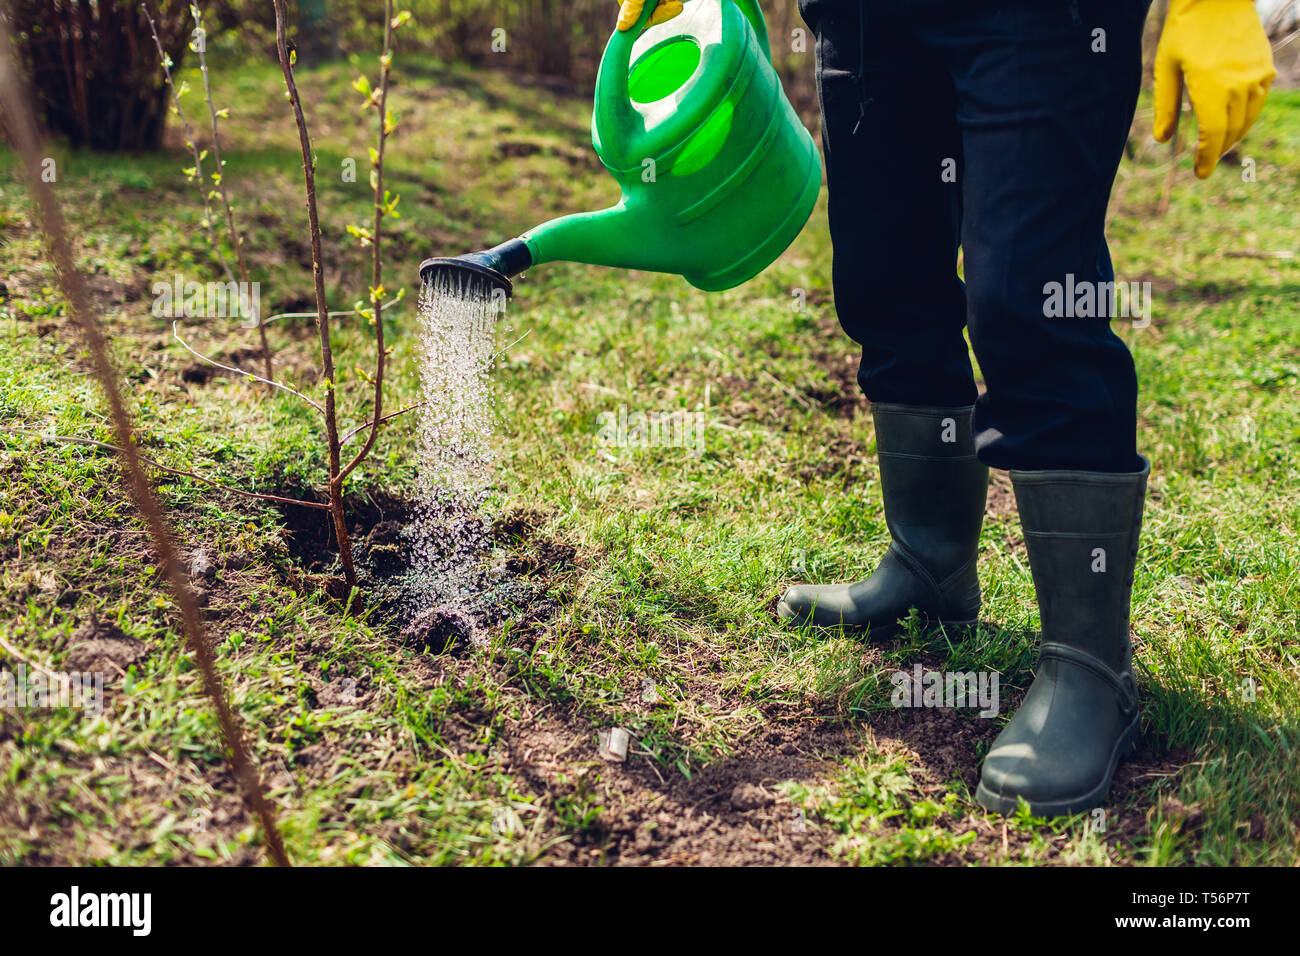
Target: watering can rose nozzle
(493, 268)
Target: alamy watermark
(133, 911)
(1098, 300)
(42, 690)
(181, 299)
(952, 689)
(677, 429)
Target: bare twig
(72, 440)
(512, 345)
(322, 315)
(391, 415)
(376, 258)
(794, 393)
(1257, 254)
(236, 242)
(190, 141)
(239, 371)
(35, 665)
(332, 315)
(21, 126)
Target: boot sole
(1000, 803)
(868, 631)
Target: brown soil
(843, 395)
(516, 569)
(947, 745)
(200, 373)
(729, 812)
(732, 811)
(102, 646)
(1002, 497)
(1002, 514)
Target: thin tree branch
(235, 241)
(322, 315)
(376, 261)
(391, 415)
(311, 315)
(191, 142)
(239, 371)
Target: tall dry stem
(22, 131)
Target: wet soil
(509, 582)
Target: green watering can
(718, 174)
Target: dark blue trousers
(995, 126)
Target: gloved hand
(630, 12)
(1219, 48)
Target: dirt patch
(730, 812)
(945, 745)
(515, 149)
(101, 646)
(842, 395)
(734, 812)
(1002, 497)
(509, 582)
(827, 348)
(107, 291)
(945, 741)
(198, 373)
(1003, 513)
(842, 458)
(201, 373)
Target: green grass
(490, 758)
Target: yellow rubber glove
(1219, 48)
(630, 12)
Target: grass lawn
(651, 573)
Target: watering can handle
(616, 98)
(754, 14)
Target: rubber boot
(1080, 716)
(934, 490)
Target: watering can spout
(604, 238)
(490, 269)
(607, 237)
